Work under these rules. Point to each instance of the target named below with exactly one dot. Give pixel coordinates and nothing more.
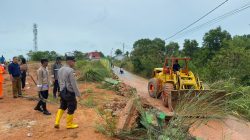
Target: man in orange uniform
(1, 80)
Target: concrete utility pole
(123, 48)
(111, 53)
(35, 36)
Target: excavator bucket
(179, 95)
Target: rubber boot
(58, 117)
(70, 124)
(38, 106)
(45, 111)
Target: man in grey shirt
(68, 92)
(54, 74)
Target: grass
(89, 102)
(238, 97)
(93, 71)
(88, 91)
(109, 86)
(189, 112)
(108, 125)
(53, 100)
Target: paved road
(230, 129)
(141, 85)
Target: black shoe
(46, 112)
(20, 95)
(38, 109)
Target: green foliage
(88, 90)
(198, 109)
(102, 55)
(231, 62)
(190, 47)
(220, 57)
(237, 99)
(92, 71)
(20, 57)
(118, 52)
(79, 55)
(125, 63)
(108, 125)
(146, 55)
(89, 102)
(214, 39)
(172, 49)
(127, 53)
(37, 56)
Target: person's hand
(51, 83)
(52, 78)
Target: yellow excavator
(171, 81)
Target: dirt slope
(18, 120)
(232, 128)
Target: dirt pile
(115, 106)
(125, 90)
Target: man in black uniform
(54, 74)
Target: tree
(232, 62)
(38, 55)
(190, 47)
(147, 54)
(214, 38)
(172, 49)
(118, 52)
(101, 54)
(78, 55)
(20, 56)
(127, 53)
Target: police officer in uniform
(68, 92)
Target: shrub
(92, 71)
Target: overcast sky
(88, 25)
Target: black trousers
(70, 105)
(56, 88)
(43, 95)
(23, 79)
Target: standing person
(43, 87)
(2, 60)
(15, 74)
(24, 69)
(2, 71)
(54, 74)
(68, 92)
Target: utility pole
(111, 53)
(123, 48)
(35, 36)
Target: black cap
(70, 58)
(44, 60)
(58, 58)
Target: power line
(216, 20)
(196, 20)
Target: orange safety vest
(1, 73)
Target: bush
(92, 71)
(237, 99)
